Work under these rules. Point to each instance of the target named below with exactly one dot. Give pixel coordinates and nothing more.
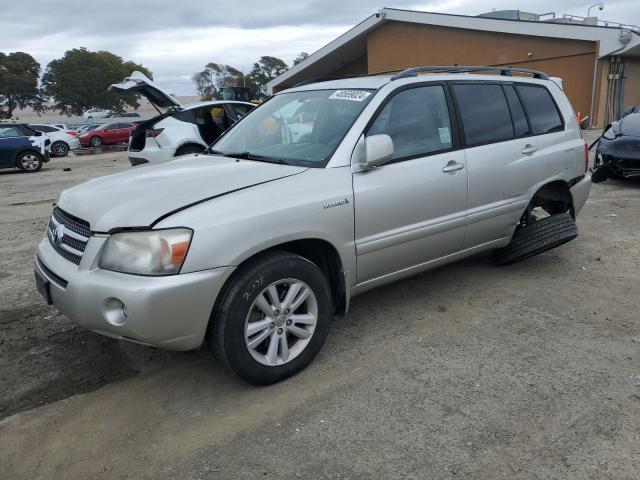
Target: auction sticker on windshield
(355, 95)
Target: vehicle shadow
(58, 359)
(11, 172)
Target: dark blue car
(23, 148)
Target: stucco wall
(397, 45)
(632, 82)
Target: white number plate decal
(355, 95)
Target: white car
(96, 113)
(61, 141)
(182, 129)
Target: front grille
(68, 235)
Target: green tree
(79, 80)
(301, 57)
(214, 78)
(19, 74)
(265, 70)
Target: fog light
(115, 312)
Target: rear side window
(417, 120)
(542, 110)
(241, 110)
(43, 128)
(484, 112)
(520, 125)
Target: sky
(174, 39)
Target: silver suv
(325, 191)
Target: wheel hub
(281, 322)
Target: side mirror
(371, 152)
(378, 150)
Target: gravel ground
(468, 371)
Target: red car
(107, 134)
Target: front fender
(232, 228)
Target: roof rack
(507, 71)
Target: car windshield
(298, 128)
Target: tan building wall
(632, 82)
(397, 45)
(631, 92)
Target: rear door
(110, 133)
(413, 209)
(124, 132)
(502, 158)
(12, 140)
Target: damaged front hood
(630, 125)
(140, 196)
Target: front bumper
(620, 155)
(169, 312)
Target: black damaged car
(618, 151)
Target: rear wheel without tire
(29, 162)
(272, 318)
(538, 237)
(59, 149)
(189, 149)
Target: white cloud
(175, 39)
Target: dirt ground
(468, 371)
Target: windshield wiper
(251, 156)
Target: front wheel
(96, 141)
(29, 162)
(272, 318)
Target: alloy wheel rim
(281, 322)
(30, 162)
(59, 149)
(95, 142)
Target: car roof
(376, 82)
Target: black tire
(538, 237)
(189, 149)
(235, 302)
(59, 149)
(29, 161)
(95, 141)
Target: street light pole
(600, 6)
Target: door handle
(529, 149)
(452, 166)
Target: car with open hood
(180, 129)
(257, 244)
(618, 150)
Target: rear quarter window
(542, 110)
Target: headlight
(152, 252)
(609, 134)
